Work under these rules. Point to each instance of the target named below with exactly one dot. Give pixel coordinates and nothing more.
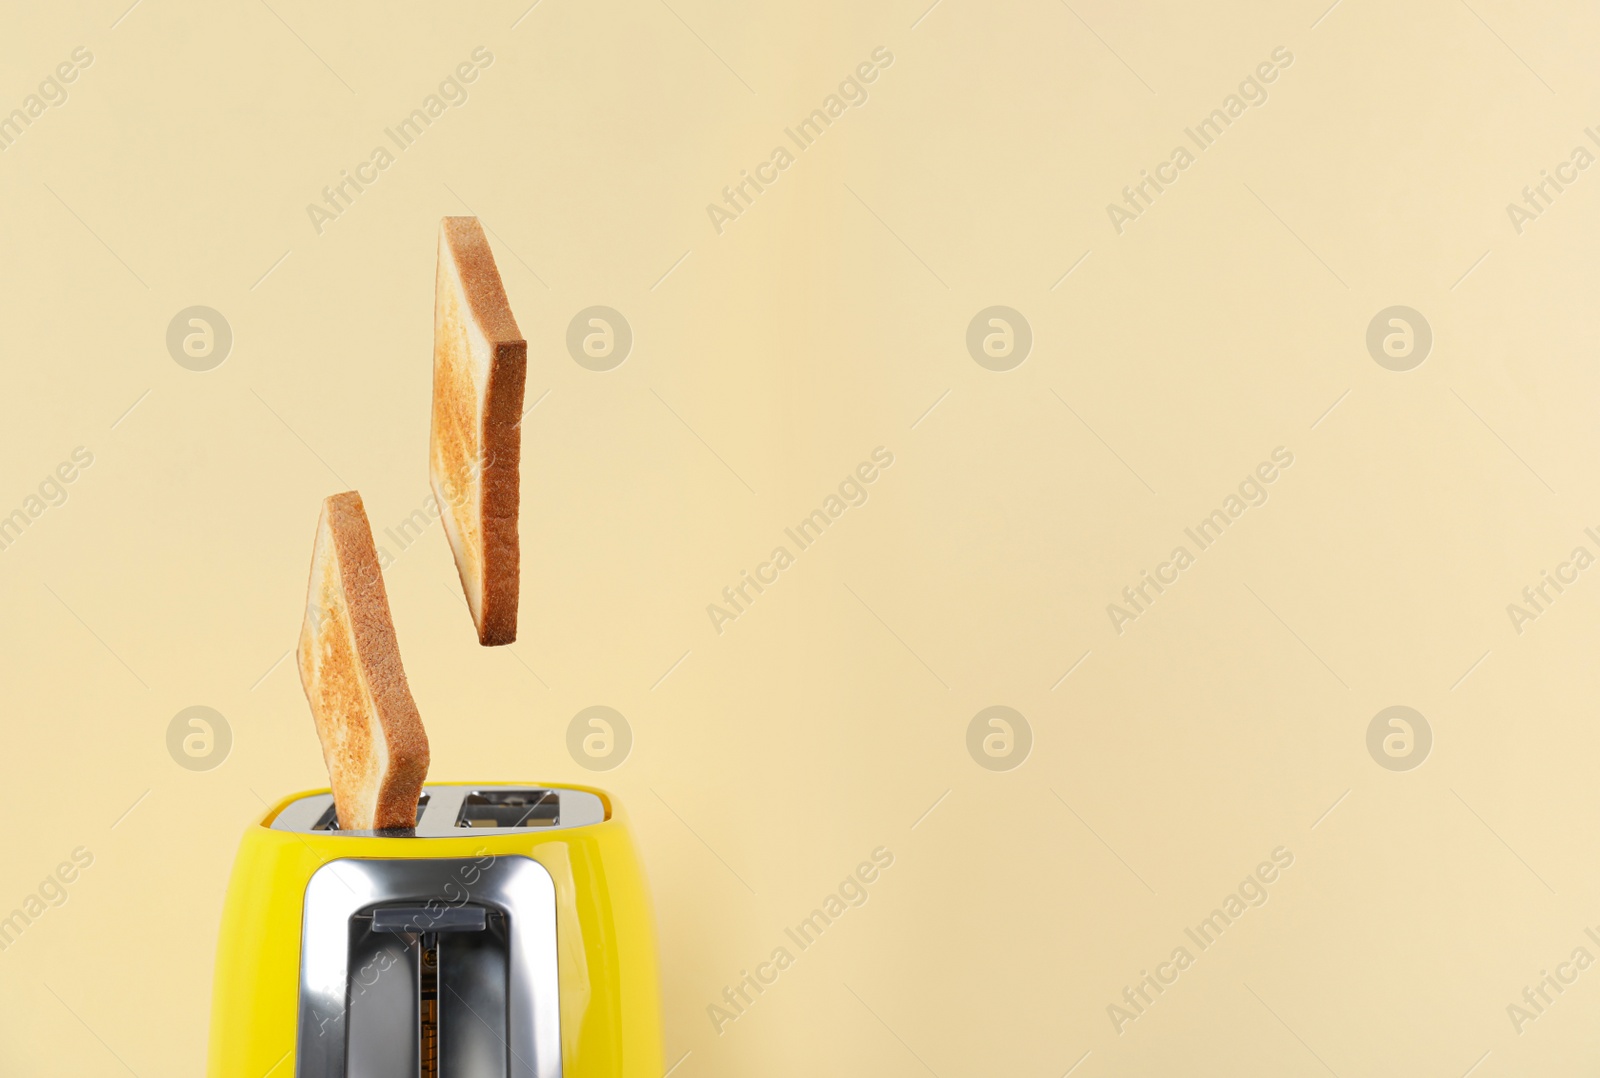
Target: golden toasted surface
(456, 449)
(372, 737)
(480, 369)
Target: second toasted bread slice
(480, 364)
(372, 737)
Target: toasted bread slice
(372, 736)
(480, 365)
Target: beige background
(768, 361)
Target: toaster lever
(429, 919)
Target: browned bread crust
(372, 736)
(479, 373)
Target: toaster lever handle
(429, 919)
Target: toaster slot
(382, 1005)
(473, 1004)
(329, 820)
(441, 1009)
(428, 1010)
(510, 808)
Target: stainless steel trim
(578, 808)
(517, 886)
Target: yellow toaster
(508, 935)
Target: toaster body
(509, 935)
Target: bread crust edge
(502, 494)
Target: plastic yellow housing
(605, 940)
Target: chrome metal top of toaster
(453, 811)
